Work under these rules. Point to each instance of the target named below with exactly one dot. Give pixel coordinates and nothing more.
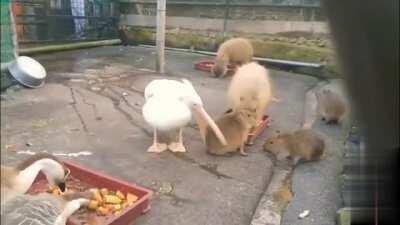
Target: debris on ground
(304, 214)
(11, 147)
(73, 154)
(94, 88)
(39, 124)
(166, 188)
(76, 80)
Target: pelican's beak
(203, 120)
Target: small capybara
(330, 106)
(238, 51)
(303, 144)
(235, 125)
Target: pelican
(169, 106)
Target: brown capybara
(303, 144)
(237, 51)
(250, 89)
(235, 125)
(330, 106)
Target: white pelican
(169, 105)
(17, 180)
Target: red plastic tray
(207, 65)
(264, 123)
(141, 206)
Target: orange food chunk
(93, 204)
(120, 195)
(131, 198)
(103, 211)
(112, 199)
(97, 196)
(104, 191)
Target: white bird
(169, 105)
(17, 180)
(43, 209)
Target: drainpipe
(227, 2)
(160, 36)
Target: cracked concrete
(92, 102)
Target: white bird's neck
(27, 176)
(69, 209)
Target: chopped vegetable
(104, 191)
(93, 204)
(117, 207)
(112, 199)
(120, 195)
(103, 211)
(97, 196)
(131, 198)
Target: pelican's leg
(178, 146)
(157, 147)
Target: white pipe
(267, 60)
(160, 36)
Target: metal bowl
(28, 72)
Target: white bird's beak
(203, 119)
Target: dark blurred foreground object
(366, 33)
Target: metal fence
(8, 52)
(283, 3)
(50, 21)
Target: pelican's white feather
(164, 113)
(163, 87)
(165, 107)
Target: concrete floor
(91, 103)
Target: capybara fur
(330, 106)
(237, 51)
(235, 125)
(304, 144)
(250, 89)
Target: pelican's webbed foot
(157, 148)
(177, 147)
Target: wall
(248, 18)
(237, 26)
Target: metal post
(160, 39)
(226, 16)
(14, 31)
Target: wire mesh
(7, 45)
(41, 21)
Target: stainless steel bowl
(28, 72)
